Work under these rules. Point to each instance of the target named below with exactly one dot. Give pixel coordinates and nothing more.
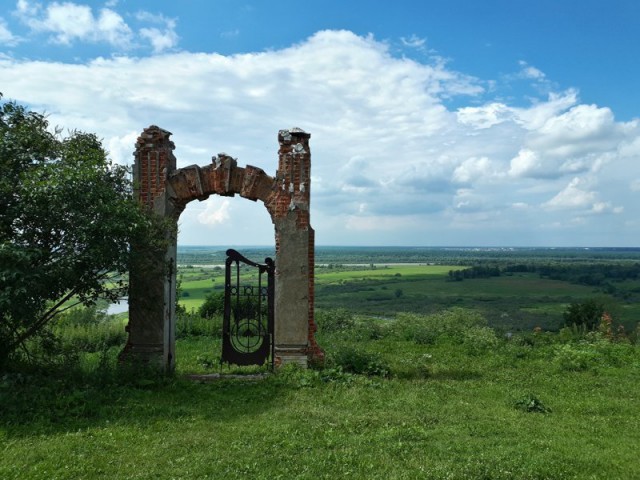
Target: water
(118, 307)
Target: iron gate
(247, 327)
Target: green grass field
(515, 302)
(402, 395)
(534, 409)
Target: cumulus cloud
(574, 196)
(485, 116)
(526, 164)
(162, 37)
(473, 169)
(387, 151)
(68, 22)
(217, 211)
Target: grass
(441, 409)
(439, 396)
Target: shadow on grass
(58, 400)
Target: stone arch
(166, 190)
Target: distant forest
(468, 256)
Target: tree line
(595, 274)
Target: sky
(433, 122)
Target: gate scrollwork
(248, 323)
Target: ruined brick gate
(166, 190)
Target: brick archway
(166, 190)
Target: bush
(373, 329)
(336, 320)
(585, 315)
(575, 357)
(447, 326)
(213, 305)
(193, 324)
(359, 362)
(88, 329)
(478, 340)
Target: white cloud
(6, 37)
(388, 153)
(526, 163)
(474, 169)
(530, 72)
(606, 207)
(485, 116)
(414, 41)
(230, 33)
(217, 211)
(160, 40)
(163, 38)
(68, 22)
(574, 196)
(25, 7)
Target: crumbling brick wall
(167, 190)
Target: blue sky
(509, 123)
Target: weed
(531, 404)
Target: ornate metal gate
(247, 328)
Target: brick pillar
(294, 322)
(152, 275)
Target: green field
(415, 386)
(467, 405)
(520, 301)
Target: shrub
(88, 329)
(359, 362)
(213, 305)
(575, 357)
(336, 320)
(193, 324)
(479, 340)
(373, 329)
(586, 314)
(446, 326)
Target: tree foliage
(67, 218)
(586, 314)
(213, 305)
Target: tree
(213, 305)
(586, 314)
(67, 218)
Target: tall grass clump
(89, 329)
(456, 326)
(335, 320)
(193, 324)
